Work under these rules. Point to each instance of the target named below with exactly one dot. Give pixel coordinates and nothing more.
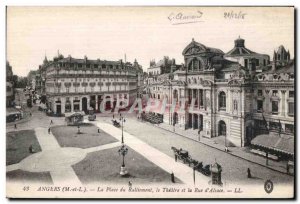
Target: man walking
(49, 130)
(172, 177)
(249, 173)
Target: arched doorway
(108, 103)
(58, 106)
(195, 125)
(175, 95)
(222, 128)
(249, 134)
(84, 104)
(175, 118)
(93, 102)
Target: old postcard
(150, 102)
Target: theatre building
(72, 84)
(225, 93)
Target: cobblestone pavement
(234, 168)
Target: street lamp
(123, 150)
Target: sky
(142, 33)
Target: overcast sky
(142, 33)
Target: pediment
(194, 48)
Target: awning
(283, 143)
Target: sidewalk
(218, 143)
(180, 170)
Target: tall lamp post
(123, 150)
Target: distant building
(73, 85)
(31, 78)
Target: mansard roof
(221, 64)
(88, 61)
(289, 68)
(195, 47)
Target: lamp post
(123, 150)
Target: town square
(122, 112)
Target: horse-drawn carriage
(116, 123)
(184, 156)
(202, 169)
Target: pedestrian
(172, 177)
(198, 135)
(249, 173)
(51, 122)
(129, 184)
(15, 126)
(31, 149)
(49, 130)
(98, 130)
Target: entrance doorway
(195, 125)
(84, 104)
(58, 109)
(222, 128)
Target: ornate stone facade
(80, 84)
(221, 95)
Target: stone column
(80, 103)
(72, 104)
(199, 122)
(198, 98)
(283, 110)
(193, 120)
(267, 102)
(88, 101)
(204, 99)
(63, 104)
(96, 102)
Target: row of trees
(19, 82)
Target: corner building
(72, 85)
(221, 94)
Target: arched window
(68, 106)
(222, 100)
(235, 105)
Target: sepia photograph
(150, 102)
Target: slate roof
(289, 68)
(240, 49)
